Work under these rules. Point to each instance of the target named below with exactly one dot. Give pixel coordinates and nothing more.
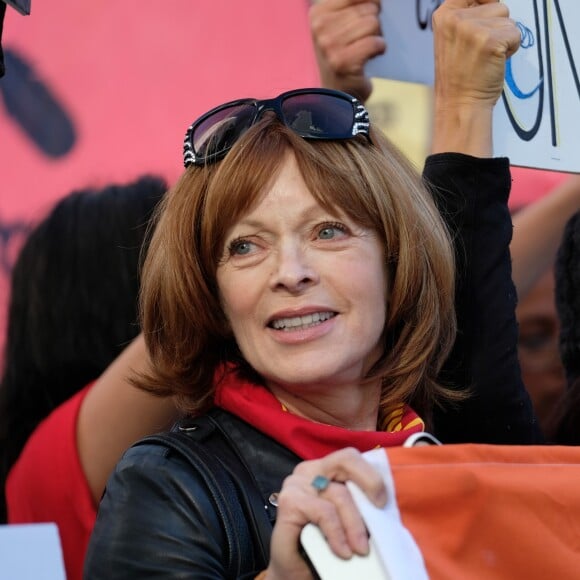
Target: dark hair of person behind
(73, 303)
(564, 427)
(567, 274)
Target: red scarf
(309, 440)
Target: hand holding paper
(315, 492)
(472, 41)
(393, 554)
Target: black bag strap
(255, 506)
(223, 493)
(208, 449)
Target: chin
(303, 379)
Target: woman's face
(304, 290)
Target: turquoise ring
(320, 483)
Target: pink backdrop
(131, 75)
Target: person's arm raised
(473, 40)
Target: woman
(299, 290)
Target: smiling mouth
(301, 322)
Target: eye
(240, 247)
(536, 336)
(330, 231)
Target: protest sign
(31, 551)
(537, 121)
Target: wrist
(462, 128)
(358, 86)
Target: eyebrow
(312, 209)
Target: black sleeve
(472, 195)
(156, 520)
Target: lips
(300, 322)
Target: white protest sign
(406, 26)
(30, 552)
(537, 120)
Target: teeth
(300, 322)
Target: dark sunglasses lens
(217, 133)
(319, 115)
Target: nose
(292, 271)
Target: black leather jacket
(157, 519)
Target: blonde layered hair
(186, 330)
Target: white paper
(329, 566)
(397, 548)
(30, 552)
(407, 30)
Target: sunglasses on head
(323, 114)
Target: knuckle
(375, 482)
(285, 502)
(481, 36)
(447, 19)
(303, 468)
(320, 22)
(366, 9)
(503, 10)
(340, 495)
(327, 514)
(349, 453)
(338, 62)
(369, 25)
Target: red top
(47, 484)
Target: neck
(351, 408)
